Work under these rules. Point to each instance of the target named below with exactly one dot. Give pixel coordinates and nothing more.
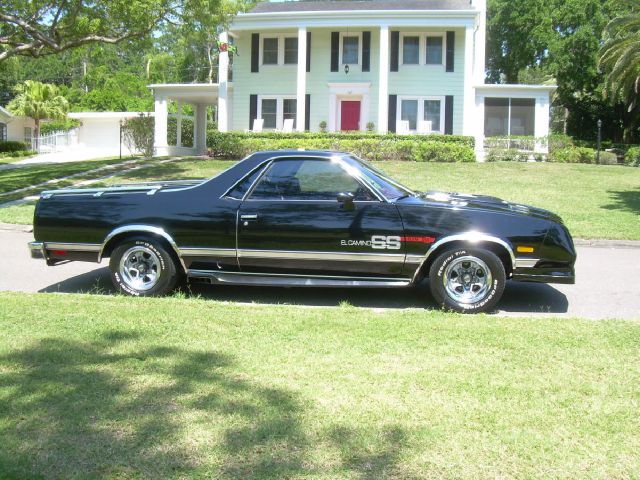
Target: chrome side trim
(142, 229)
(470, 237)
(526, 262)
(74, 247)
(208, 252)
(323, 256)
(414, 259)
(275, 279)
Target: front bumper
(566, 275)
(37, 250)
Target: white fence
(55, 141)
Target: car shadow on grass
(518, 297)
(117, 404)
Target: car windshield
(391, 189)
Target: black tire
(146, 258)
(445, 272)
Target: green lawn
(115, 387)
(595, 201)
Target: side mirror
(346, 200)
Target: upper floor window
(270, 51)
(411, 50)
(435, 47)
(279, 50)
(350, 49)
(3, 131)
(290, 50)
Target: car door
(292, 222)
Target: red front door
(350, 115)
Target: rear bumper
(566, 275)
(37, 250)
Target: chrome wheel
(140, 268)
(467, 279)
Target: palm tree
(40, 101)
(620, 58)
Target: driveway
(605, 286)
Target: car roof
(259, 157)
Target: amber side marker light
(523, 249)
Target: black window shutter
(335, 51)
(451, 48)
(255, 52)
(253, 110)
(366, 51)
(395, 50)
(308, 51)
(448, 115)
(307, 112)
(393, 105)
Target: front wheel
(467, 280)
(143, 268)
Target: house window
(289, 109)
(270, 51)
(432, 113)
(351, 49)
(509, 116)
(411, 50)
(291, 50)
(3, 131)
(409, 112)
(274, 110)
(269, 113)
(417, 109)
(435, 47)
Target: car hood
(485, 202)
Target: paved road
(607, 285)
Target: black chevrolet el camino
(305, 218)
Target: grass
(115, 387)
(595, 201)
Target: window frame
(421, 37)
(351, 34)
(509, 114)
(279, 109)
(443, 53)
(421, 99)
(281, 39)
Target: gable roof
(364, 5)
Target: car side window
(241, 189)
(308, 179)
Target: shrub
(138, 134)
(508, 155)
(369, 146)
(608, 158)
(13, 146)
(442, 152)
(21, 153)
(558, 141)
(59, 126)
(632, 157)
(573, 155)
(187, 132)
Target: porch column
(468, 113)
(200, 129)
(223, 90)
(383, 82)
(179, 125)
(480, 42)
(160, 144)
(301, 111)
(542, 117)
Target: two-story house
(404, 66)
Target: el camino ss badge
(382, 242)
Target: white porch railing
(54, 141)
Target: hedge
(434, 148)
(13, 146)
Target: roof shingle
(342, 5)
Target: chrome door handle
(248, 217)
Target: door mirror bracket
(346, 200)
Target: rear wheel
(467, 280)
(143, 268)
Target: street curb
(579, 242)
(11, 227)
